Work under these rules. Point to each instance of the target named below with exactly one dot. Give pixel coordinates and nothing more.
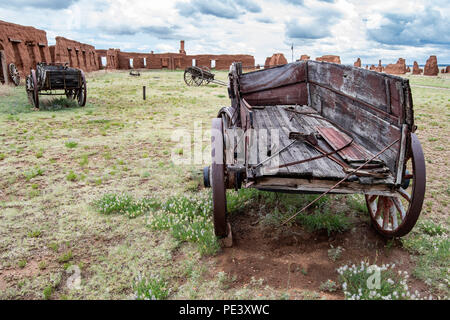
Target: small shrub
(42, 265)
(65, 257)
(71, 144)
(335, 253)
(34, 234)
(328, 286)
(331, 222)
(47, 293)
(152, 288)
(112, 203)
(22, 263)
(71, 176)
(36, 171)
(371, 282)
(189, 219)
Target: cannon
(323, 128)
(56, 79)
(196, 76)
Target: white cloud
(349, 28)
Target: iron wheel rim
(385, 211)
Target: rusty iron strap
(313, 158)
(339, 182)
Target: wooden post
(143, 92)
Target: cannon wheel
(205, 68)
(388, 214)
(32, 89)
(199, 79)
(14, 73)
(218, 178)
(82, 91)
(188, 77)
(192, 79)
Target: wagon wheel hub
(395, 216)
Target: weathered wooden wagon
(48, 79)
(318, 127)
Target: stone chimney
(182, 47)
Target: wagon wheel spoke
(404, 194)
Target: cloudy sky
(372, 30)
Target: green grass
(151, 288)
(71, 144)
(330, 222)
(189, 219)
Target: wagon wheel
(188, 77)
(218, 178)
(396, 216)
(70, 93)
(14, 73)
(198, 80)
(32, 89)
(82, 91)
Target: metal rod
(339, 182)
(143, 92)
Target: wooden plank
(262, 121)
(370, 131)
(291, 94)
(359, 83)
(337, 140)
(320, 186)
(323, 167)
(273, 77)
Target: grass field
(94, 206)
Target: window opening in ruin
(17, 56)
(69, 51)
(103, 59)
(84, 59)
(41, 53)
(78, 58)
(145, 62)
(131, 64)
(32, 56)
(213, 64)
(193, 62)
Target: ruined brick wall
(431, 67)
(23, 46)
(277, 59)
(173, 61)
(329, 58)
(357, 63)
(396, 68)
(304, 57)
(416, 69)
(76, 54)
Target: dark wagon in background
(56, 79)
(318, 127)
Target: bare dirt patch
(294, 260)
